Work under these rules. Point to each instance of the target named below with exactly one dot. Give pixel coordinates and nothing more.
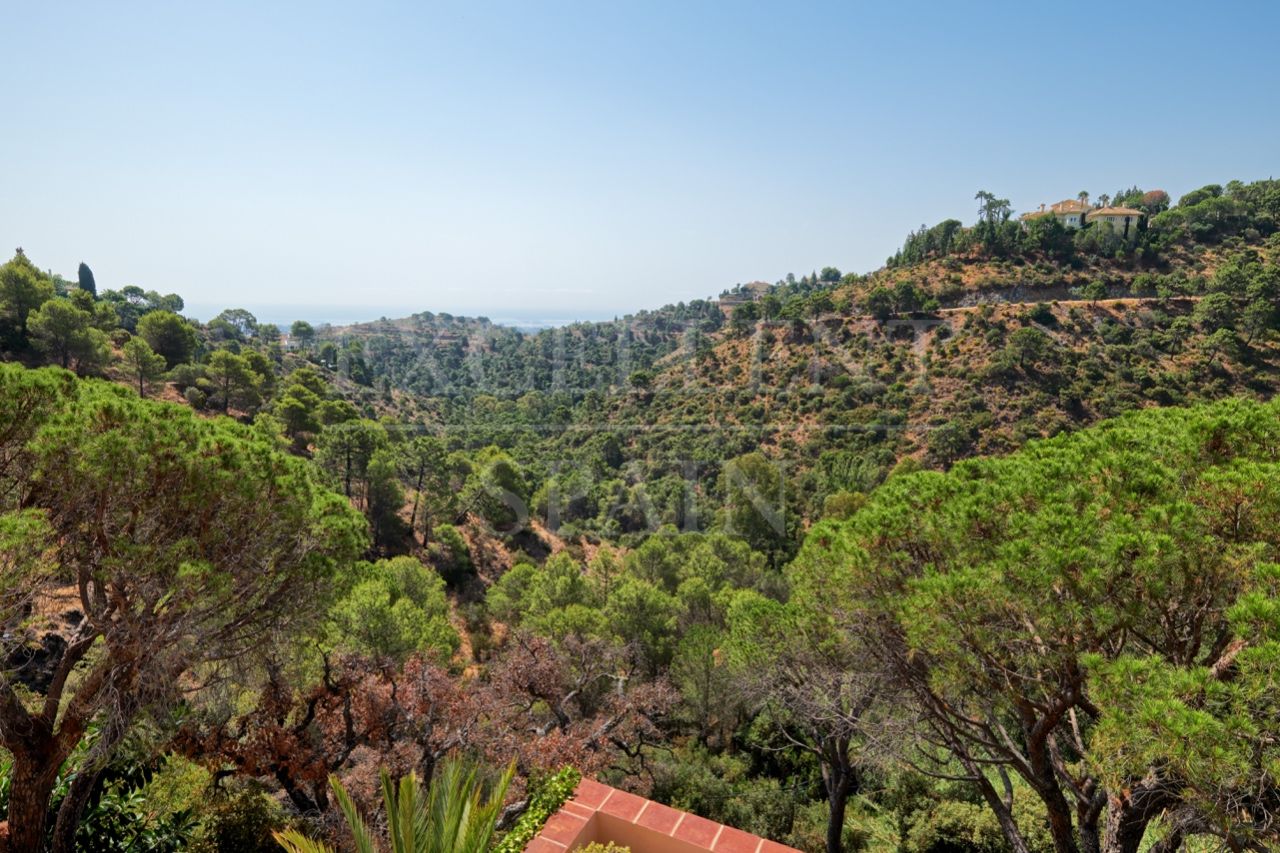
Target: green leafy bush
(241, 819)
(543, 803)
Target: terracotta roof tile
(542, 845)
(736, 841)
(1069, 205)
(563, 828)
(591, 793)
(659, 818)
(574, 807)
(623, 805)
(596, 810)
(698, 831)
(774, 847)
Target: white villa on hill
(1121, 219)
(1070, 212)
(1075, 213)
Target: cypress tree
(86, 279)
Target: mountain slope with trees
(692, 552)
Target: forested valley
(975, 552)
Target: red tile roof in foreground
(600, 813)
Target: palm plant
(454, 816)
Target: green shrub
(543, 803)
(450, 554)
(196, 397)
(722, 788)
(240, 820)
(186, 374)
(1042, 314)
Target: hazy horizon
(283, 314)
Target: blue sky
(554, 161)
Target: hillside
(1018, 352)
(1005, 334)
(656, 550)
(970, 341)
(459, 357)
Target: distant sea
(342, 315)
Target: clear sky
(542, 160)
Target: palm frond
(295, 842)
(454, 816)
(360, 832)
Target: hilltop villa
(1073, 213)
(1121, 219)
(1070, 212)
(743, 293)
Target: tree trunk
(1129, 814)
(305, 803)
(837, 799)
(837, 773)
(1124, 834)
(1044, 781)
(417, 498)
(1004, 814)
(72, 808)
(1058, 812)
(34, 776)
(1087, 816)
